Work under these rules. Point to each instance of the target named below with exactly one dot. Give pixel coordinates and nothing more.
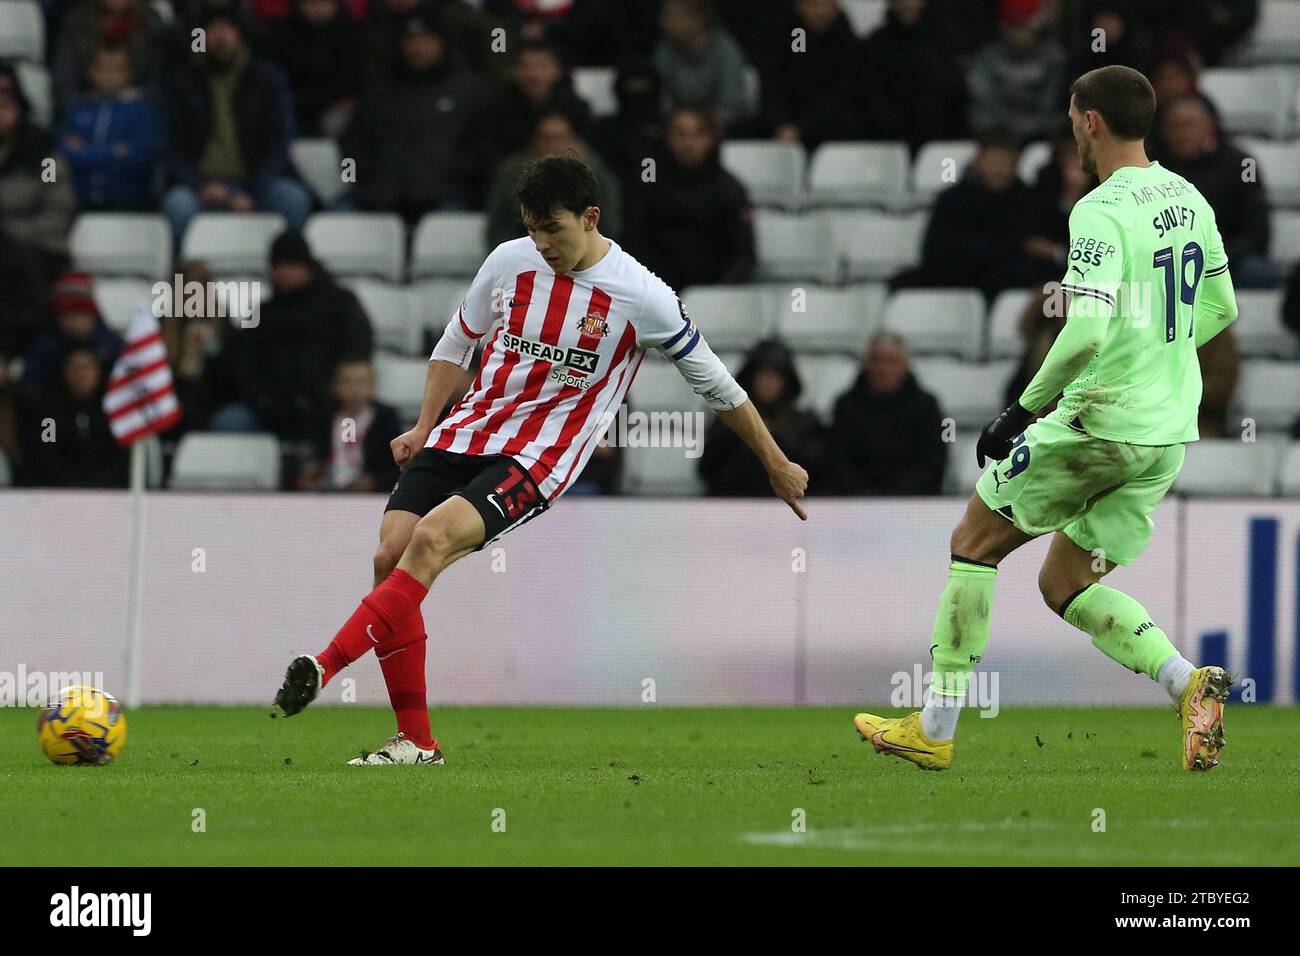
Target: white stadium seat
(825, 319)
(963, 466)
(1269, 393)
(359, 243)
(400, 382)
(39, 90)
(939, 165)
(120, 300)
(659, 387)
(233, 242)
(938, 321)
(22, 31)
(1276, 35)
(1279, 165)
(859, 174)
(772, 172)
(227, 462)
(122, 244)
(318, 163)
(825, 378)
(794, 246)
(1250, 100)
(448, 244)
(1004, 339)
(391, 310)
(1227, 467)
(663, 471)
(1289, 471)
(865, 16)
(1259, 330)
(595, 84)
(6, 473)
(1285, 242)
(970, 393)
(874, 245)
(729, 316)
(434, 301)
(1033, 158)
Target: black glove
(998, 435)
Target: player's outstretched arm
(443, 381)
(789, 481)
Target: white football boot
(398, 750)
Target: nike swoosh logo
(421, 758)
(371, 634)
(496, 504)
(880, 743)
(384, 657)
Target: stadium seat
(1285, 241)
(664, 471)
(773, 172)
(318, 163)
(859, 174)
(794, 246)
(865, 16)
(1033, 158)
(938, 321)
(227, 462)
(1274, 37)
(752, 83)
(729, 316)
(391, 310)
(6, 473)
(22, 31)
(1004, 339)
(1288, 478)
(825, 378)
(233, 242)
(963, 467)
(434, 300)
(39, 90)
(122, 244)
(595, 84)
(939, 164)
(1269, 392)
(359, 243)
(1279, 166)
(970, 393)
(874, 245)
(448, 244)
(1250, 100)
(121, 299)
(400, 382)
(827, 319)
(1227, 467)
(659, 387)
(1259, 330)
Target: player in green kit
(1148, 284)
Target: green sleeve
(1216, 303)
(1069, 355)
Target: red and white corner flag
(139, 400)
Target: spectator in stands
(77, 325)
(1208, 27)
(691, 224)
(469, 31)
(320, 49)
(977, 231)
(886, 435)
(112, 138)
(814, 93)
(421, 139)
(553, 134)
(539, 83)
(770, 378)
(1189, 143)
(350, 444)
(1017, 84)
(913, 88)
(230, 126)
(593, 32)
(11, 417)
(1220, 363)
(69, 442)
(89, 25)
(629, 137)
(699, 62)
(284, 365)
(201, 350)
(1060, 184)
(25, 295)
(1113, 34)
(37, 204)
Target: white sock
(939, 715)
(1174, 675)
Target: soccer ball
(82, 725)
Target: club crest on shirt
(593, 324)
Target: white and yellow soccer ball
(82, 725)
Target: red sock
(401, 657)
(396, 598)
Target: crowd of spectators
(192, 106)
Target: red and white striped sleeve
(482, 306)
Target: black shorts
(498, 487)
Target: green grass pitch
(652, 786)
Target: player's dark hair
(557, 182)
(1123, 97)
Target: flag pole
(135, 579)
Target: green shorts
(1100, 493)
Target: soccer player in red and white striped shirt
(565, 317)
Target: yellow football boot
(904, 737)
(1200, 710)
